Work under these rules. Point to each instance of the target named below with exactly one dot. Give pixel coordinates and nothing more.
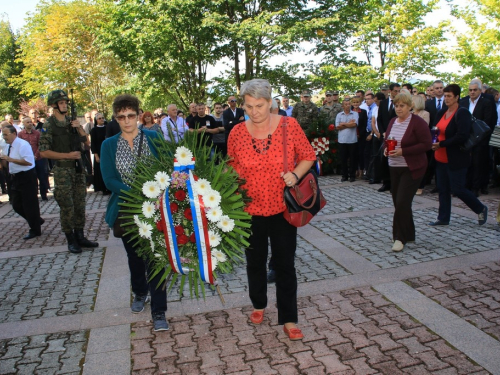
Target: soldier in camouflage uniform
(331, 109)
(61, 141)
(305, 112)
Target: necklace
(262, 145)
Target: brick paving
(49, 285)
(311, 265)
(355, 331)
(62, 313)
(472, 293)
(371, 237)
(58, 353)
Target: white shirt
(179, 131)
(20, 149)
(374, 116)
(364, 106)
(472, 104)
(437, 101)
(288, 111)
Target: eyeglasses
(130, 116)
(100, 118)
(233, 101)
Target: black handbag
(119, 229)
(304, 200)
(479, 131)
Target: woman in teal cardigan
(118, 158)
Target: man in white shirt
(172, 125)
(24, 186)
(346, 124)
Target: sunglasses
(233, 101)
(130, 116)
(100, 118)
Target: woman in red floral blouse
(256, 151)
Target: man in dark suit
(434, 105)
(482, 108)
(232, 116)
(385, 114)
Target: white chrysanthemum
(148, 209)
(202, 186)
(214, 214)
(163, 179)
(214, 238)
(151, 189)
(136, 220)
(323, 139)
(151, 242)
(226, 224)
(157, 255)
(214, 262)
(219, 255)
(145, 230)
(211, 198)
(183, 155)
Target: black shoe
(73, 246)
(384, 188)
(159, 322)
(483, 216)
(434, 191)
(42, 221)
(31, 235)
(271, 276)
(352, 179)
(45, 199)
(438, 222)
(82, 241)
(485, 191)
(107, 192)
(343, 179)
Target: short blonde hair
(403, 97)
(355, 99)
(418, 103)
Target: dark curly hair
(125, 101)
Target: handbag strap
(284, 131)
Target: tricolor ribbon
(318, 166)
(169, 232)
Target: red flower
(330, 161)
(331, 127)
(182, 239)
(159, 226)
(174, 207)
(192, 238)
(180, 195)
(334, 151)
(179, 230)
(187, 214)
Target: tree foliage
(59, 50)
(9, 67)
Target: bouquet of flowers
(186, 214)
(323, 137)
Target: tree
(9, 96)
(59, 50)
(478, 48)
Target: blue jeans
(453, 182)
(42, 173)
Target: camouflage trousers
(69, 192)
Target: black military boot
(82, 241)
(73, 246)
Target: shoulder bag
(304, 200)
(118, 227)
(479, 131)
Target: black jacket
(485, 110)
(430, 106)
(456, 133)
(384, 116)
(229, 120)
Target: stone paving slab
(355, 331)
(371, 237)
(96, 229)
(49, 285)
(57, 353)
(311, 265)
(93, 201)
(473, 293)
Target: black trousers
(348, 159)
(24, 195)
(478, 174)
(139, 279)
(283, 245)
(403, 189)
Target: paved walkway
(432, 309)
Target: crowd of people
(398, 137)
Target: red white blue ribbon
(200, 225)
(169, 232)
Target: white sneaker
(398, 246)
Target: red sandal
(293, 333)
(256, 317)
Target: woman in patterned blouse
(256, 151)
(118, 159)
